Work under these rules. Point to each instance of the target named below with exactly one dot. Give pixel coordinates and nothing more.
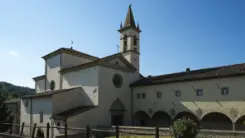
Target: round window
(117, 80)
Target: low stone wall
(165, 132)
(133, 130)
(221, 134)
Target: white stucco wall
(107, 95)
(85, 78)
(25, 115)
(53, 68)
(107, 87)
(188, 101)
(70, 60)
(40, 85)
(38, 105)
(118, 61)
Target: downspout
(31, 116)
(45, 82)
(61, 66)
(52, 128)
(132, 107)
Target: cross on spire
(129, 21)
(129, 18)
(118, 47)
(71, 44)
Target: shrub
(40, 133)
(184, 128)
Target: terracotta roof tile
(49, 93)
(69, 51)
(129, 18)
(72, 112)
(208, 73)
(101, 61)
(39, 77)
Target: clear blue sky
(176, 34)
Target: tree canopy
(5, 115)
(13, 91)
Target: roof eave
(185, 80)
(129, 27)
(39, 78)
(69, 51)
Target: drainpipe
(31, 116)
(52, 127)
(132, 107)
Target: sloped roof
(15, 100)
(102, 62)
(201, 74)
(71, 52)
(39, 77)
(49, 93)
(72, 112)
(129, 21)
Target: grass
(138, 136)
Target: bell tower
(130, 39)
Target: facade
(80, 89)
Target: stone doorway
(117, 112)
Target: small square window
(199, 92)
(138, 96)
(143, 95)
(177, 93)
(159, 95)
(225, 91)
(41, 117)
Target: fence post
(34, 130)
(117, 131)
(11, 128)
(22, 128)
(157, 132)
(65, 130)
(88, 131)
(48, 126)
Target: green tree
(40, 133)
(184, 128)
(5, 115)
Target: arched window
(125, 43)
(135, 40)
(52, 85)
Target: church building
(80, 89)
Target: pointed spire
(138, 26)
(121, 25)
(129, 18)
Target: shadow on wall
(64, 101)
(86, 78)
(212, 120)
